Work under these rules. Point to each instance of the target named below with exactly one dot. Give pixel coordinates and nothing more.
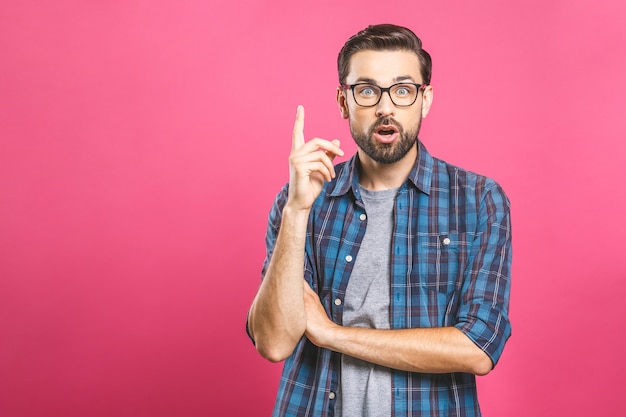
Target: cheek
(410, 121)
(361, 119)
(359, 125)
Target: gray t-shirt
(365, 388)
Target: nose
(385, 106)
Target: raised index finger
(297, 137)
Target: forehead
(384, 67)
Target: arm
(481, 327)
(431, 350)
(277, 318)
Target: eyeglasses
(369, 95)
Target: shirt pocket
(438, 258)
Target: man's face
(385, 132)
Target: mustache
(386, 121)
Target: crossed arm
(430, 350)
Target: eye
(367, 91)
(403, 90)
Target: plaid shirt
(450, 266)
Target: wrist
(331, 337)
(294, 210)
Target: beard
(386, 153)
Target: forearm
(277, 317)
(427, 350)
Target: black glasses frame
(382, 90)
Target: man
(386, 283)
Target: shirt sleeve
(484, 311)
(273, 226)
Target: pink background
(142, 143)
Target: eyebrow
(397, 79)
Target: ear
(342, 102)
(427, 100)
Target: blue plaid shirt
(450, 266)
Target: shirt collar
(348, 175)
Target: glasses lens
(403, 94)
(366, 94)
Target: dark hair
(385, 37)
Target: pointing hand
(310, 164)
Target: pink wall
(141, 145)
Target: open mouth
(386, 133)
(386, 130)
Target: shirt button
(337, 301)
(331, 395)
(348, 258)
(362, 216)
(446, 241)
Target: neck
(376, 176)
